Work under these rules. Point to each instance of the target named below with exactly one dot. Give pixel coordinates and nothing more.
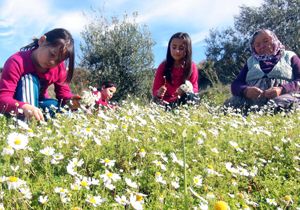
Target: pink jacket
(177, 79)
(20, 64)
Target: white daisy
(17, 141)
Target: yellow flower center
(221, 205)
(139, 197)
(287, 198)
(142, 150)
(84, 183)
(106, 160)
(109, 174)
(13, 179)
(17, 141)
(196, 180)
(88, 129)
(210, 166)
(158, 174)
(92, 200)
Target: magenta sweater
(177, 80)
(20, 64)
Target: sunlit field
(142, 157)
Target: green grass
(244, 161)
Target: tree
(226, 51)
(120, 51)
(229, 49)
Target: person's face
(48, 56)
(107, 93)
(178, 49)
(263, 44)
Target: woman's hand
(32, 111)
(253, 92)
(161, 91)
(273, 92)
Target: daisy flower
(17, 141)
(107, 162)
(197, 180)
(43, 199)
(121, 200)
(130, 183)
(94, 200)
(108, 177)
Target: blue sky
(21, 20)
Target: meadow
(142, 157)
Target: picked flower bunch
(89, 98)
(187, 87)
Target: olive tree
(119, 51)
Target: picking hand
(161, 91)
(273, 92)
(32, 111)
(253, 92)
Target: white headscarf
(277, 45)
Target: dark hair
(56, 37)
(107, 84)
(187, 59)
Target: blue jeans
(28, 90)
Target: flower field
(141, 157)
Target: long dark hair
(107, 84)
(56, 37)
(187, 59)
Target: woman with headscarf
(270, 76)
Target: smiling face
(178, 49)
(107, 93)
(263, 44)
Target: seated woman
(105, 93)
(270, 76)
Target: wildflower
(109, 177)
(288, 199)
(221, 205)
(271, 201)
(159, 178)
(197, 181)
(121, 200)
(159, 164)
(43, 199)
(14, 183)
(107, 162)
(60, 190)
(17, 141)
(130, 183)
(27, 160)
(94, 200)
(26, 192)
(48, 151)
(136, 200)
(1, 206)
(8, 151)
(210, 195)
(175, 184)
(142, 153)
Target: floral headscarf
(277, 45)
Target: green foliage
(244, 161)
(228, 49)
(120, 51)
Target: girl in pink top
(175, 71)
(104, 94)
(27, 75)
